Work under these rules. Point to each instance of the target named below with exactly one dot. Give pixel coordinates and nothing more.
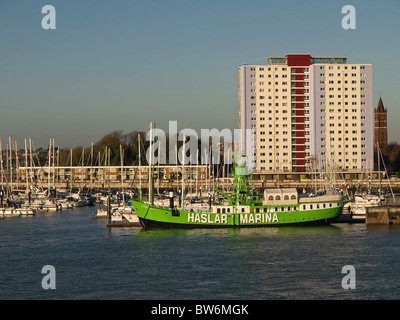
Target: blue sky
(116, 65)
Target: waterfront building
(305, 110)
(380, 136)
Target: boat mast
(379, 170)
(158, 167)
(183, 172)
(151, 164)
(71, 171)
(140, 171)
(48, 174)
(109, 169)
(91, 168)
(121, 152)
(54, 171)
(30, 162)
(197, 171)
(11, 169)
(240, 190)
(1, 173)
(58, 163)
(206, 169)
(16, 166)
(177, 168)
(83, 160)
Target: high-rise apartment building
(304, 109)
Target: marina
(197, 176)
(94, 262)
(20, 198)
(98, 234)
(213, 195)
(273, 172)
(52, 197)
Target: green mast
(241, 193)
(240, 190)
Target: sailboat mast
(83, 162)
(16, 166)
(140, 170)
(197, 171)
(11, 170)
(109, 170)
(30, 160)
(91, 168)
(183, 172)
(54, 173)
(206, 169)
(71, 170)
(121, 154)
(151, 164)
(379, 169)
(177, 169)
(48, 173)
(1, 172)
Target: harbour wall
(383, 215)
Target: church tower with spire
(380, 132)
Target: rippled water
(93, 262)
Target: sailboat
(279, 207)
(362, 201)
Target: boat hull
(158, 217)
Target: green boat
(278, 207)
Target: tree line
(391, 158)
(129, 142)
(107, 151)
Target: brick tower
(380, 132)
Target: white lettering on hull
(258, 218)
(247, 218)
(206, 218)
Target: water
(93, 262)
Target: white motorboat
(25, 211)
(124, 214)
(9, 212)
(100, 214)
(358, 208)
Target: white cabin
(283, 196)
